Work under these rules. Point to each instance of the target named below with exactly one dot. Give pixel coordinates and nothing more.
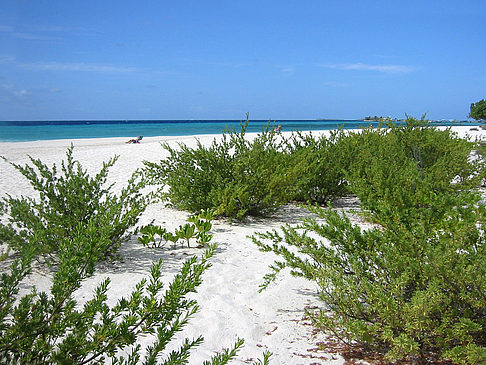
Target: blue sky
(220, 59)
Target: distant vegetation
(375, 118)
(478, 110)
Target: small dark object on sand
(136, 140)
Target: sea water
(16, 131)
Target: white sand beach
(230, 305)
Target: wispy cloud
(10, 93)
(49, 28)
(34, 28)
(366, 67)
(335, 84)
(286, 70)
(34, 37)
(30, 33)
(34, 32)
(80, 67)
(5, 58)
(6, 29)
(230, 64)
(11, 89)
(56, 66)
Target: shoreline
(60, 131)
(461, 129)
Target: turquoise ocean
(18, 131)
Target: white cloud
(144, 110)
(35, 28)
(9, 93)
(26, 35)
(34, 37)
(288, 70)
(230, 64)
(34, 32)
(54, 90)
(26, 97)
(80, 67)
(10, 88)
(366, 67)
(335, 84)
(49, 28)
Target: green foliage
(69, 197)
(266, 359)
(413, 287)
(207, 215)
(233, 177)
(410, 172)
(197, 228)
(320, 164)
(49, 328)
(478, 110)
(153, 236)
(400, 291)
(186, 232)
(237, 176)
(80, 222)
(4, 254)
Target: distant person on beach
(278, 128)
(136, 140)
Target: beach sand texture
(230, 305)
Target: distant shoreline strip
(89, 122)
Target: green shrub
(414, 287)
(478, 110)
(69, 198)
(407, 292)
(197, 228)
(154, 236)
(416, 170)
(233, 177)
(51, 328)
(320, 164)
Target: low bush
(52, 327)
(68, 198)
(411, 171)
(412, 288)
(320, 164)
(197, 228)
(410, 293)
(233, 177)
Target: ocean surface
(18, 131)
